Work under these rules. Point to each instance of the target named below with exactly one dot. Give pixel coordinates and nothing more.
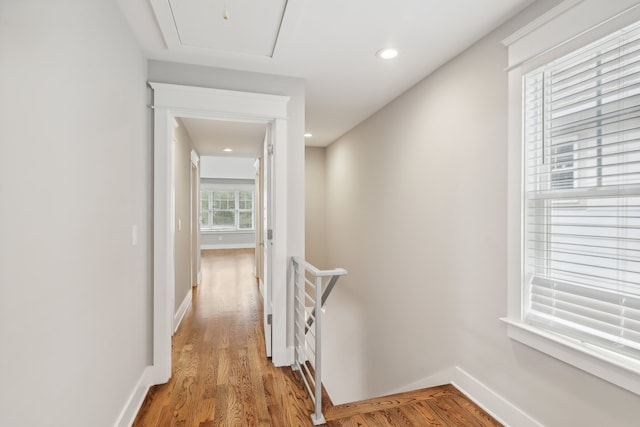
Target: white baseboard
(499, 407)
(136, 398)
(261, 287)
(184, 306)
(290, 356)
(229, 246)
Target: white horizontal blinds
(582, 167)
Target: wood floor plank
(354, 421)
(206, 411)
(433, 407)
(482, 416)
(378, 419)
(457, 414)
(276, 410)
(257, 388)
(420, 417)
(347, 409)
(399, 417)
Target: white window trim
(571, 24)
(236, 188)
(241, 231)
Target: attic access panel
(246, 27)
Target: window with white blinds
(582, 194)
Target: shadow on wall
(343, 352)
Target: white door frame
(194, 207)
(170, 101)
(266, 217)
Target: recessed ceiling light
(227, 150)
(308, 135)
(387, 53)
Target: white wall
(227, 240)
(75, 295)
(315, 209)
(392, 231)
(417, 198)
(227, 167)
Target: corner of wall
(437, 379)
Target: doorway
(172, 101)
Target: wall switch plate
(134, 235)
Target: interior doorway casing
(172, 101)
(194, 188)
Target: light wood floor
(221, 376)
(436, 406)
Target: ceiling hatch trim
(242, 28)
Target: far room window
(226, 210)
(581, 154)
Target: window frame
(211, 190)
(573, 25)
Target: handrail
(325, 295)
(309, 298)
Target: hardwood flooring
(436, 406)
(222, 377)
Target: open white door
(267, 236)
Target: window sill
(227, 231)
(619, 370)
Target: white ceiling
(211, 137)
(329, 43)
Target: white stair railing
(312, 287)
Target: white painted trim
(200, 102)
(228, 246)
(163, 242)
(290, 354)
(496, 405)
(195, 158)
(209, 232)
(540, 21)
(281, 355)
(610, 366)
(437, 379)
(172, 101)
(182, 310)
(135, 400)
(164, 16)
(199, 276)
(567, 27)
(499, 407)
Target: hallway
(221, 376)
